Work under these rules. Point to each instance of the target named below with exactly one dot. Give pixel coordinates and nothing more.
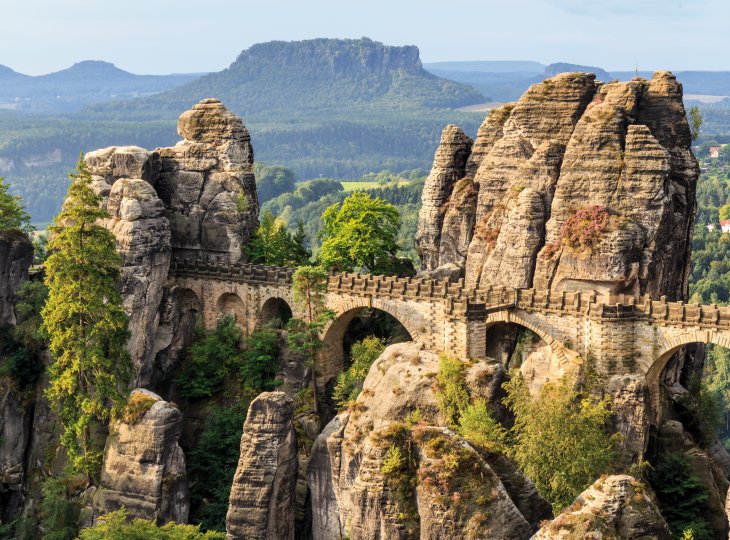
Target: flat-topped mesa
(581, 186)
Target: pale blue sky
(164, 36)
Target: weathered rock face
(207, 182)
(143, 239)
(568, 148)
(16, 256)
(197, 198)
(15, 421)
(262, 501)
(448, 167)
(613, 507)
(144, 466)
(355, 495)
(710, 471)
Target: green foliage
(272, 243)
(309, 284)
(115, 526)
(393, 460)
(85, 322)
(701, 408)
(694, 116)
(212, 463)
(681, 495)
(559, 439)
(58, 514)
(12, 210)
(261, 360)
(349, 383)
(452, 395)
(21, 345)
(361, 233)
(210, 359)
(272, 181)
(478, 426)
(717, 383)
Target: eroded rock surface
(196, 199)
(569, 145)
(16, 256)
(356, 495)
(144, 466)
(613, 507)
(262, 502)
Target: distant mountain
(288, 79)
(324, 107)
(80, 85)
(490, 66)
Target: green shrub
(261, 360)
(681, 496)
(349, 383)
(58, 514)
(477, 426)
(210, 360)
(212, 464)
(452, 395)
(114, 526)
(559, 439)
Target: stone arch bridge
(621, 334)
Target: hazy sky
(165, 36)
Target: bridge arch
(275, 308)
(557, 348)
(332, 358)
(230, 303)
(674, 342)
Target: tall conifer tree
(85, 322)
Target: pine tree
(12, 211)
(85, 322)
(273, 244)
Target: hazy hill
(285, 79)
(79, 85)
(323, 107)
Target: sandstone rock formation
(613, 507)
(143, 240)
(16, 256)
(207, 182)
(355, 495)
(15, 422)
(144, 466)
(195, 199)
(613, 156)
(262, 501)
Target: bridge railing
(470, 302)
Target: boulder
(144, 466)
(262, 502)
(616, 506)
(356, 493)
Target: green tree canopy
(272, 181)
(360, 233)
(85, 321)
(272, 243)
(12, 210)
(559, 439)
